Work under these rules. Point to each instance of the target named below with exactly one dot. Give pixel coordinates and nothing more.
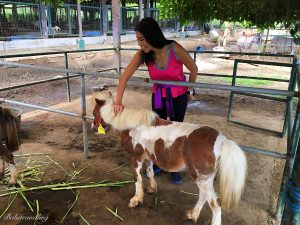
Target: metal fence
(20, 20)
(291, 98)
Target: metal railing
(66, 62)
(292, 120)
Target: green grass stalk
(114, 213)
(9, 205)
(62, 220)
(86, 222)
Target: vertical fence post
(141, 10)
(43, 19)
(104, 13)
(231, 93)
(116, 31)
(121, 20)
(49, 30)
(292, 144)
(291, 213)
(291, 87)
(67, 75)
(83, 113)
(69, 19)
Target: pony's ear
(110, 94)
(100, 102)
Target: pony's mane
(9, 129)
(128, 118)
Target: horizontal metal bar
(244, 148)
(37, 82)
(62, 70)
(277, 133)
(54, 52)
(221, 52)
(242, 53)
(140, 69)
(261, 96)
(265, 63)
(229, 76)
(242, 77)
(129, 49)
(45, 108)
(228, 88)
(187, 84)
(105, 70)
(18, 3)
(264, 152)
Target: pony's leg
(214, 205)
(13, 174)
(211, 198)
(194, 213)
(139, 192)
(2, 169)
(206, 193)
(152, 188)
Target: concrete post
(44, 27)
(80, 42)
(104, 16)
(116, 30)
(141, 14)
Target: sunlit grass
(248, 82)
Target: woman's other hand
(190, 98)
(118, 108)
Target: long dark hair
(153, 35)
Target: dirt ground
(61, 137)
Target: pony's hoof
(151, 190)
(134, 202)
(12, 183)
(191, 215)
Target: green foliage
(262, 13)
(246, 24)
(53, 2)
(166, 9)
(295, 32)
(132, 4)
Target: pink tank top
(173, 71)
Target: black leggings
(180, 105)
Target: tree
(262, 13)
(53, 2)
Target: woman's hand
(118, 108)
(190, 98)
(190, 94)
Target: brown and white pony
(175, 146)
(9, 137)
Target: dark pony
(10, 142)
(173, 146)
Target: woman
(164, 59)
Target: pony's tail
(233, 171)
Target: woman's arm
(128, 72)
(187, 60)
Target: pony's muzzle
(94, 128)
(104, 125)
